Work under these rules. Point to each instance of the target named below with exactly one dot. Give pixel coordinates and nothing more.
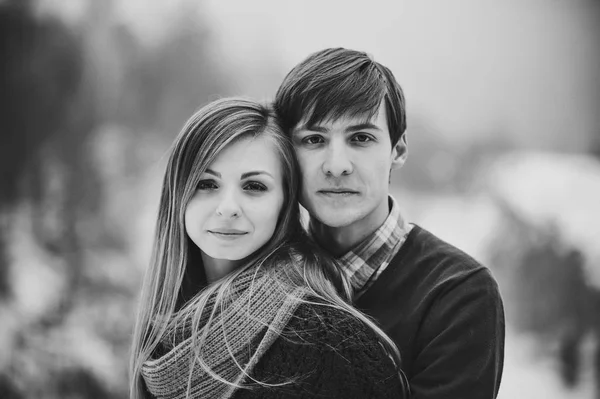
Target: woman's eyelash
(255, 186)
(249, 186)
(207, 185)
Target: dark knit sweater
(329, 354)
(444, 311)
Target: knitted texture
(326, 353)
(239, 329)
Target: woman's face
(235, 207)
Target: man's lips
(337, 191)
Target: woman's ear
(399, 153)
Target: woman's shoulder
(327, 352)
(330, 329)
(319, 322)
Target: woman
(237, 302)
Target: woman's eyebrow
(255, 173)
(212, 172)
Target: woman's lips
(227, 234)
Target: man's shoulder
(426, 249)
(426, 260)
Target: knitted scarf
(254, 314)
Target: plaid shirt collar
(364, 263)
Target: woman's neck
(218, 268)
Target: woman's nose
(228, 206)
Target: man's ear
(399, 153)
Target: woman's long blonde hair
(176, 274)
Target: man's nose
(228, 205)
(337, 160)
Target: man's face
(345, 167)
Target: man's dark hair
(338, 82)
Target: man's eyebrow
(361, 126)
(212, 172)
(312, 128)
(349, 129)
(256, 173)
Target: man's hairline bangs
(361, 114)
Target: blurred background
(504, 141)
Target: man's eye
(313, 140)
(362, 138)
(207, 185)
(255, 186)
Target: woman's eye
(207, 185)
(313, 140)
(255, 186)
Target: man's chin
(335, 220)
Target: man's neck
(339, 240)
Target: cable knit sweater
(328, 354)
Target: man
(346, 116)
